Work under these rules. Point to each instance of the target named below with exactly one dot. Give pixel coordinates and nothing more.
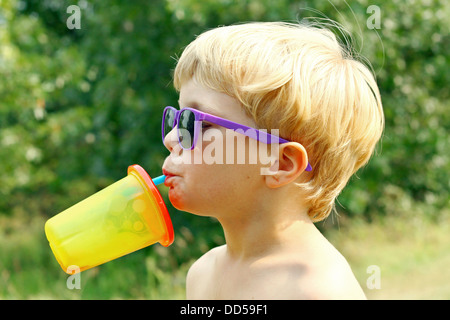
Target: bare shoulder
(205, 262)
(333, 279)
(321, 274)
(200, 272)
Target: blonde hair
(299, 79)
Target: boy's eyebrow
(193, 105)
(200, 107)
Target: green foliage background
(78, 106)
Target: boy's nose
(171, 139)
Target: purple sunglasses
(188, 122)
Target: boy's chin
(176, 200)
(179, 201)
(187, 206)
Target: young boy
(289, 80)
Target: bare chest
(251, 282)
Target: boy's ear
(292, 161)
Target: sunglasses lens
(169, 120)
(186, 128)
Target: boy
(295, 82)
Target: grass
(412, 254)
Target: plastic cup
(126, 216)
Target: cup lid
(151, 188)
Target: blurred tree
(78, 106)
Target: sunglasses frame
(253, 133)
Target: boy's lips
(169, 175)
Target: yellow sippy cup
(126, 216)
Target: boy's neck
(272, 228)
